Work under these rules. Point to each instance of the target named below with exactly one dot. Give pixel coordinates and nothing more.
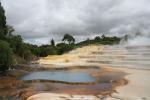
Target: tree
(63, 48)
(10, 30)
(103, 36)
(5, 56)
(16, 43)
(46, 50)
(3, 27)
(70, 39)
(97, 38)
(52, 42)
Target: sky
(38, 21)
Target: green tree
(10, 30)
(97, 38)
(63, 48)
(5, 56)
(52, 42)
(103, 36)
(3, 27)
(15, 43)
(70, 39)
(46, 50)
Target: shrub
(5, 56)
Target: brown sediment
(109, 79)
(80, 92)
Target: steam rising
(136, 39)
(140, 40)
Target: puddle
(65, 76)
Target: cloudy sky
(40, 20)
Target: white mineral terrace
(112, 56)
(133, 60)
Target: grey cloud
(40, 20)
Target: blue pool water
(60, 76)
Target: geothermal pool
(65, 76)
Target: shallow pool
(60, 76)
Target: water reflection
(60, 76)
